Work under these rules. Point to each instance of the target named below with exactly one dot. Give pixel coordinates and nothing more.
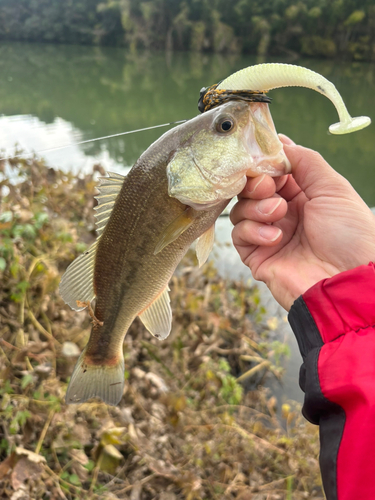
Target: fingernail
(270, 233)
(268, 206)
(261, 178)
(286, 140)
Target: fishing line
(93, 140)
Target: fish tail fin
(93, 380)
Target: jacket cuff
(333, 307)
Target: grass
(195, 421)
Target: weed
(185, 425)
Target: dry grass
(186, 427)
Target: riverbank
(195, 420)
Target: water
(52, 96)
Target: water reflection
(28, 133)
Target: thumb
(313, 174)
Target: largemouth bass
(146, 223)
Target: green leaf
(26, 380)
(23, 286)
(355, 17)
(6, 216)
(14, 268)
(224, 365)
(81, 247)
(74, 479)
(3, 264)
(22, 417)
(6, 389)
(40, 218)
(90, 465)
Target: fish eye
(225, 125)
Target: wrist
(298, 281)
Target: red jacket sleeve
(334, 322)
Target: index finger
(257, 188)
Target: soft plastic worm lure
(265, 77)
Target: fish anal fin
(157, 317)
(179, 225)
(204, 245)
(77, 283)
(103, 381)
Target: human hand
(320, 225)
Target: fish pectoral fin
(77, 284)
(204, 245)
(175, 229)
(157, 317)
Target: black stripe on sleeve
(317, 408)
(304, 327)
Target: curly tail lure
(264, 77)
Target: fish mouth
(273, 166)
(263, 144)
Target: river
(56, 95)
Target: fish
(146, 222)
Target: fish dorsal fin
(108, 188)
(157, 318)
(175, 229)
(77, 282)
(204, 245)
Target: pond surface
(52, 96)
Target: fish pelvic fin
(92, 380)
(204, 245)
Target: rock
(126, 415)
(138, 373)
(157, 381)
(44, 369)
(69, 349)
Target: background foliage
(322, 28)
